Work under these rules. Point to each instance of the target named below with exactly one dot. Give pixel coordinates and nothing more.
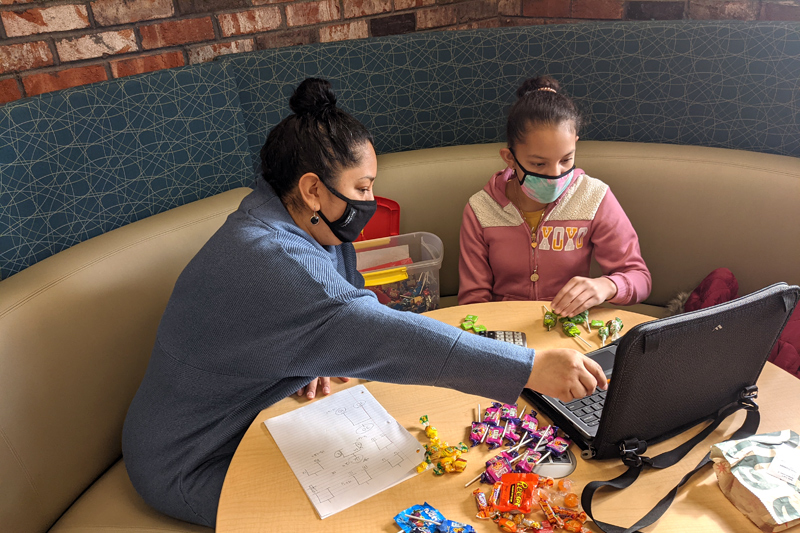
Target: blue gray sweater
(258, 313)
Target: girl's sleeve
(616, 249)
(475, 278)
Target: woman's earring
(314, 219)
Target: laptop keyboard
(588, 409)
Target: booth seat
(78, 327)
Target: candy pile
(427, 519)
(447, 458)
(470, 322)
(570, 325)
(530, 443)
(414, 294)
(530, 503)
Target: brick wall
(51, 45)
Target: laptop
(670, 374)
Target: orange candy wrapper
(516, 492)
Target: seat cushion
(112, 505)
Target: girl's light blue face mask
(542, 188)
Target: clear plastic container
(403, 270)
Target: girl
(274, 300)
(530, 233)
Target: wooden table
(261, 494)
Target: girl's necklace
(534, 229)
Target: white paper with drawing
(345, 448)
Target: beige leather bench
(78, 327)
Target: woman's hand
(310, 390)
(565, 374)
(579, 294)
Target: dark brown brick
(190, 7)
(476, 10)
(62, 79)
(9, 91)
(138, 65)
(545, 8)
(654, 10)
(393, 25)
(175, 32)
(282, 39)
(597, 9)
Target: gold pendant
(535, 277)
(533, 245)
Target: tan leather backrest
(695, 208)
(76, 331)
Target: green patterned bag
(743, 469)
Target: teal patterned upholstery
(80, 162)
(722, 84)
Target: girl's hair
(540, 102)
(319, 137)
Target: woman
(274, 300)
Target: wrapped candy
(603, 333)
(550, 319)
(484, 509)
(423, 518)
(495, 437)
(479, 430)
(507, 525)
(571, 500)
(492, 416)
(507, 410)
(596, 324)
(558, 446)
(516, 493)
(555, 520)
(511, 434)
(496, 470)
(451, 526)
(614, 327)
(570, 514)
(571, 329)
(527, 461)
(545, 434)
(529, 422)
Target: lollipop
(614, 327)
(603, 333)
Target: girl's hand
(310, 390)
(579, 294)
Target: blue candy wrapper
(434, 522)
(425, 511)
(449, 526)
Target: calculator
(514, 337)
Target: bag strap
(631, 451)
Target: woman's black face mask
(348, 227)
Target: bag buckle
(748, 396)
(631, 450)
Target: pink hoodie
(497, 261)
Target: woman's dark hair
(540, 101)
(319, 137)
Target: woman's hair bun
(313, 97)
(535, 84)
